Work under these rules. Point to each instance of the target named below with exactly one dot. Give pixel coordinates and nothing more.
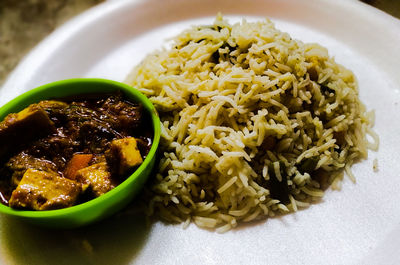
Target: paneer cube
(41, 190)
(23, 127)
(97, 177)
(21, 162)
(125, 155)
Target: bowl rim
(131, 93)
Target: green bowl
(114, 200)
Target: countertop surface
(23, 24)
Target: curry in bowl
(60, 153)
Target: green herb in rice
(254, 123)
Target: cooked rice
(241, 105)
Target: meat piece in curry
(59, 153)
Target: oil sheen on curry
(56, 154)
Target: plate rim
(91, 15)
(51, 42)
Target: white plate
(359, 224)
